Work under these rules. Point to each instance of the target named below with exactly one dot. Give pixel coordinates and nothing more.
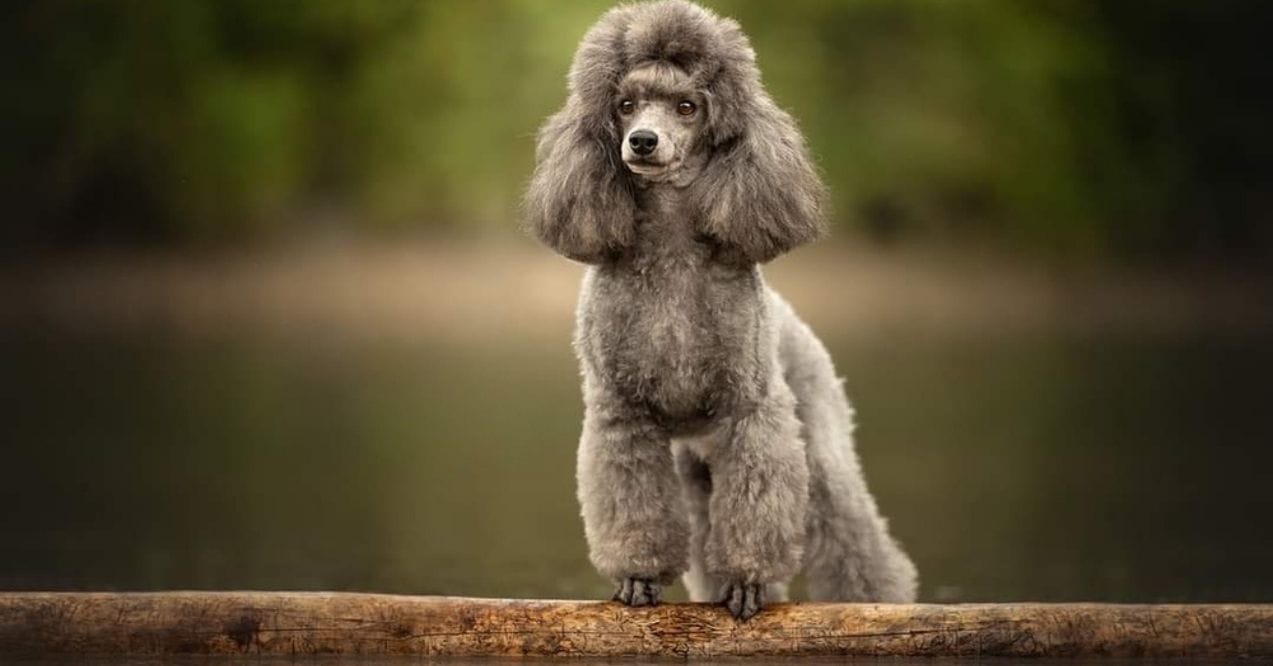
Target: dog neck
(659, 202)
(665, 230)
(664, 226)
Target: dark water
(1040, 468)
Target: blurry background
(266, 319)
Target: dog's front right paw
(638, 592)
(743, 600)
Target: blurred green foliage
(1088, 128)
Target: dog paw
(638, 592)
(743, 600)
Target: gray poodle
(717, 440)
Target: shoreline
(482, 291)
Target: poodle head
(667, 93)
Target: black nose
(643, 142)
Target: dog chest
(675, 340)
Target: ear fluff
(581, 200)
(759, 194)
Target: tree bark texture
(286, 623)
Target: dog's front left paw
(638, 592)
(743, 600)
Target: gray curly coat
(717, 441)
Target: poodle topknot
(717, 440)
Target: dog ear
(581, 201)
(759, 194)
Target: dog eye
(686, 108)
(627, 106)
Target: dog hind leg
(849, 554)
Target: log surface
(286, 623)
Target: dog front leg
(637, 530)
(760, 483)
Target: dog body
(664, 325)
(717, 441)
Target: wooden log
(287, 623)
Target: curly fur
(717, 440)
